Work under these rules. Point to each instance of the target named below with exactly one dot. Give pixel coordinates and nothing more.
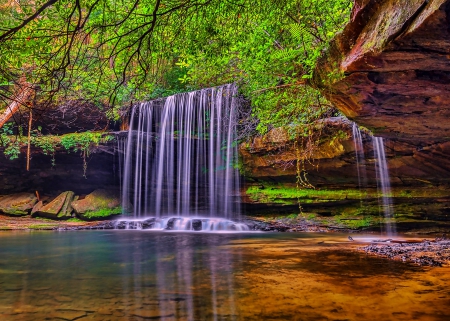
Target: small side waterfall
(360, 158)
(384, 184)
(181, 158)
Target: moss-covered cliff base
(286, 208)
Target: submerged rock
(99, 204)
(17, 204)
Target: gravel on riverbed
(425, 253)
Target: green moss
(102, 213)
(280, 194)
(357, 223)
(43, 219)
(16, 212)
(289, 195)
(74, 219)
(41, 226)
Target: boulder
(100, 204)
(17, 204)
(66, 210)
(37, 207)
(59, 208)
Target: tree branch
(8, 34)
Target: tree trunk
(24, 92)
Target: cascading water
(384, 185)
(360, 159)
(180, 159)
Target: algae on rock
(100, 203)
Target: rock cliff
(392, 69)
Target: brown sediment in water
(324, 278)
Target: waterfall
(181, 156)
(360, 159)
(383, 182)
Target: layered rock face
(392, 68)
(332, 162)
(66, 173)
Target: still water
(141, 275)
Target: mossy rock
(59, 208)
(17, 204)
(100, 204)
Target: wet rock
(100, 204)
(149, 223)
(103, 225)
(196, 224)
(171, 223)
(121, 225)
(17, 204)
(425, 253)
(58, 208)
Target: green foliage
(83, 141)
(46, 143)
(272, 59)
(116, 52)
(8, 142)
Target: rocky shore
(425, 253)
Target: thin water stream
(382, 177)
(139, 275)
(360, 157)
(384, 185)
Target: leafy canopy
(118, 51)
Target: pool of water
(142, 275)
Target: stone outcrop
(273, 157)
(58, 208)
(99, 204)
(17, 204)
(70, 117)
(332, 164)
(64, 173)
(419, 176)
(392, 69)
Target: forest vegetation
(112, 53)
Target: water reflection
(131, 275)
(141, 275)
